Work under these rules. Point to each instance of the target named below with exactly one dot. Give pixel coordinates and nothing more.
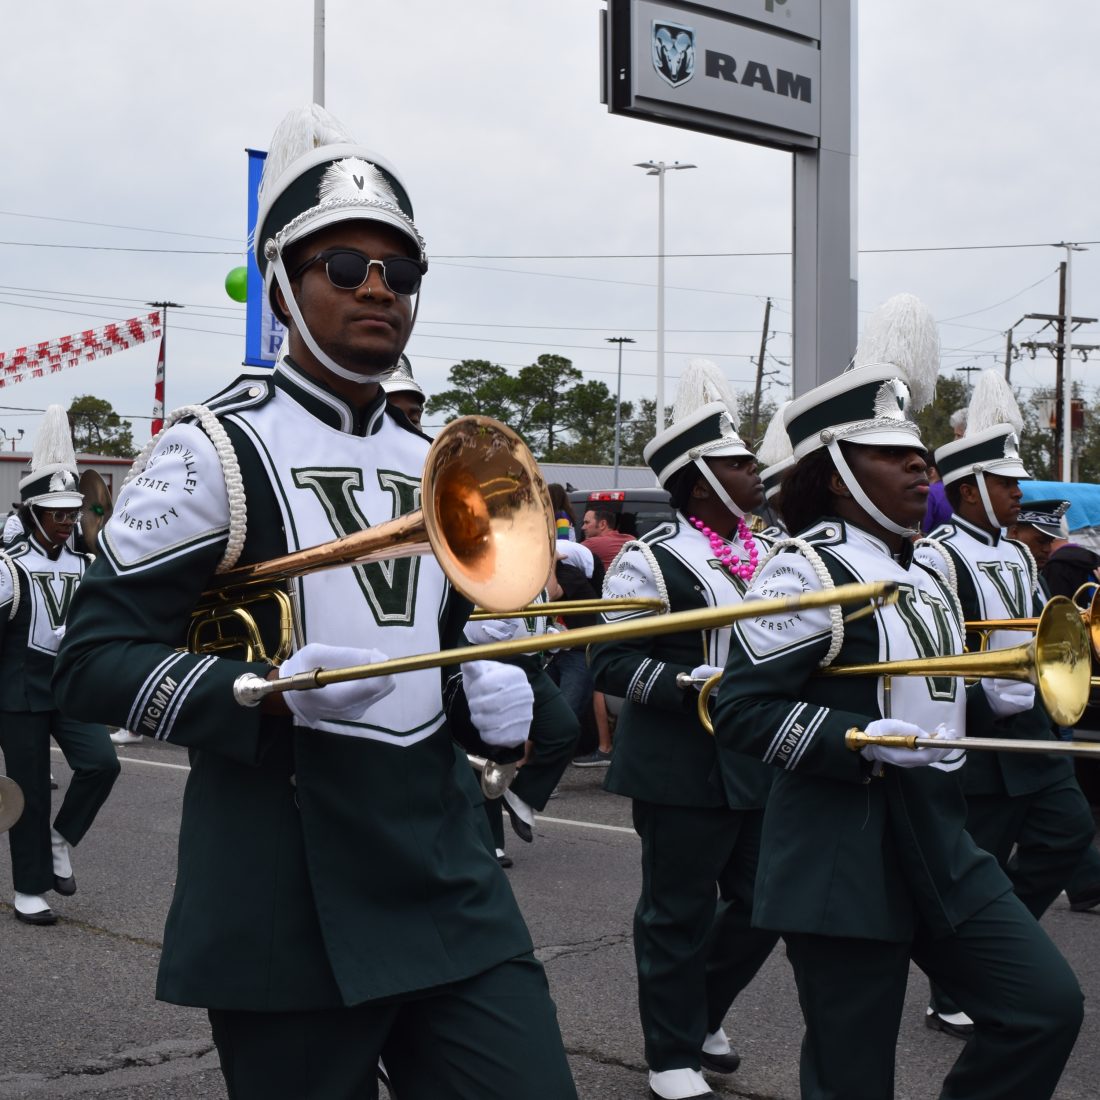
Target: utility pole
(1060, 425)
(620, 340)
(1008, 353)
(319, 52)
(760, 373)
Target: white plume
(992, 402)
(53, 445)
(303, 129)
(776, 444)
(700, 384)
(903, 333)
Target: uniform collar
(325, 404)
(979, 533)
(852, 533)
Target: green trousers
(999, 966)
(694, 945)
(25, 741)
(491, 1037)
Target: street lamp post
(658, 168)
(620, 340)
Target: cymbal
(96, 509)
(11, 803)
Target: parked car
(636, 510)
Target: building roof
(576, 476)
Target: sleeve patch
(177, 503)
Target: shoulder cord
(836, 617)
(650, 560)
(231, 472)
(1032, 565)
(15, 590)
(952, 578)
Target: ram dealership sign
(749, 69)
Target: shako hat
(402, 381)
(992, 440)
(1047, 516)
(893, 373)
(316, 174)
(703, 423)
(53, 481)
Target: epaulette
(246, 392)
(661, 533)
(829, 532)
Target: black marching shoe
(32, 909)
(950, 1023)
(504, 860)
(1086, 900)
(721, 1057)
(521, 815)
(66, 887)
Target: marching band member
(865, 860)
(39, 574)
(694, 947)
(337, 895)
(1029, 808)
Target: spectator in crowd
(563, 512)
(600, 535)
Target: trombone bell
(495, 778)
(11, 803)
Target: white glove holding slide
(334, 702)
(501, 701)
(1008, 697)
(908, 758)
(486, 631)
(705, 672)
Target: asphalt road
(79, 1018)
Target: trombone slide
(855, 739)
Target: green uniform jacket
(662, 752)
(315, 870)
(996, 579)
(845, 852)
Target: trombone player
(337, 898)
(865, 860)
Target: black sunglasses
(349, 270)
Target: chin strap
(861, 498)
(987, 504)
(283, 280)
(714, 483)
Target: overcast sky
(976, 128)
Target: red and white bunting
(52, 356)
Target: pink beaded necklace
(724, 552)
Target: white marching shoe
(679, 1084)
(126, 737)
(33, 909)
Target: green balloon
(236, 284)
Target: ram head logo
(673, 52)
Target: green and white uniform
(318, 867)
(865, 866)
(36, 591)
(693, 944)
(1027, 802)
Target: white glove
(1008, 697)
(704, 672)
(334, 702)
(501, 701)
(908, 758)
(59, 633)
(486, 631)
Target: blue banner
(263, 331)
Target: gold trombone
(250, 689)
(1090, 616)
(486, 516)
(575, 607)
(1057, 662)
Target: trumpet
(249, 689)
(1057, 662)
(11, 803)
(486, 517)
